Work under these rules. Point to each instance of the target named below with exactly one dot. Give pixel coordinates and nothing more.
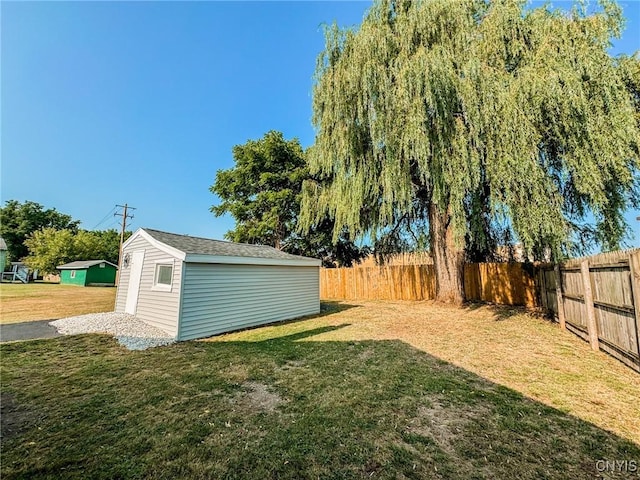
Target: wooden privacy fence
(408, 282)
(502, 283)
(598, 299)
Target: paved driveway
(27, 331)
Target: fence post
(592, 326)
(560, 296)
(634, 270)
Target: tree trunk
(448, 259)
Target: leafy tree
(19, 220)
(49, 247)
(483, 119)
(262, 193)
(319, 243)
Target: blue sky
(141, 102)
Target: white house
(194, 287)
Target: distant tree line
(45, 238)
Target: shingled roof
(80, 264)
(207, 246)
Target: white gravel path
(130, 332)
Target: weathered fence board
(601, 301)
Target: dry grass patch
(48, 301)
(505, 345)
(257, 397)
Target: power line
(104, 219)
(113, 224)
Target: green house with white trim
(88, 273)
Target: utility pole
(124, 216)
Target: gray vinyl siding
(157, 308)
(219, 298)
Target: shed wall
(155, 307)
(80, 277)
(220, 298)
(95, 274)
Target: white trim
(297, 262)
(64, 267)
(134, 282)
(183, 267)
(163, 287)
(174, 252)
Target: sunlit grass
(315, 398)
(506, 345)
(46, 301)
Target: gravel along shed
(194, 287)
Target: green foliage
(516, 122)
(262, 192)
(49, 247)
(319, 243)
(19, 220)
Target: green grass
(83, 407)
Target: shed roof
(207, 250)
(81, 264)
(207, 246)
(3, 245)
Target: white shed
(194, 287)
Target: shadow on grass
(367, 409)
(294, 337)
(502, 312)
(326, 308)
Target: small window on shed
(73, 274)
(164, 275)
(102, 265)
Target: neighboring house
(3, 254)
(194, 287)
(19, 273)
(88, 272)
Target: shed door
(137, 259)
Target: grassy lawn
(48, 301)
(374, 390)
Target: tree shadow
(502, 312)
(347, 409)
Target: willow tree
(478, 117)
